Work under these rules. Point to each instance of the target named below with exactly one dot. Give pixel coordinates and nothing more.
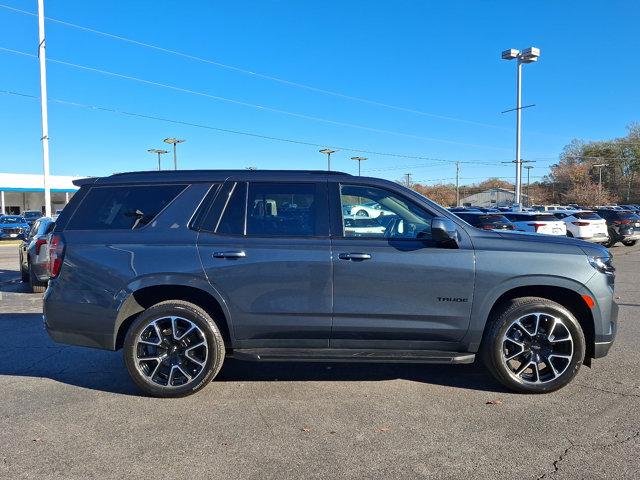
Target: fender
(485, 301)
(126, 305)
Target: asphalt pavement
(72, 412)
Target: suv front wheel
(533, 345)
(173, 349)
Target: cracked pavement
(71, 412)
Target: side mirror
(444, 231)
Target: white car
(585, 225)
(548, 208)
(537, 222)
(372, 210)
(362, 226)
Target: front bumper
(604, 340)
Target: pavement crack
(613, 392)
(556, 462)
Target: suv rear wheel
(533, 345)
(173, 349)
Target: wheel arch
(567, 297)
(136, 300)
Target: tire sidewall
(503, 322)
(215, 346)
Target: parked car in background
(585, 225)
(13, 227)
(623, 226)
(34, 255)
(537, 222)
(370, 209)
(486, 221)
(548, 208)
(363, 226)
(58, 211)
(31, 216)
(631, 207)
(180, 270)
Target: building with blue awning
(20, 192)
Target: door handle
(355, 256)
(231, 254)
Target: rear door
(393, 286)
(265, 248)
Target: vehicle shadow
(27, 351)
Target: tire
(185, 367)
(362, 213)
(613, 239)
(35, 284)
(569, 234)
(24, 274)
(629, 243)
(552, 322)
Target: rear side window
(232, 220)
(122, 208)
(282, 209)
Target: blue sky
(435, 57)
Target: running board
(351, 355)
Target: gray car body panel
(284, 294)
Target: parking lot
(71, 412)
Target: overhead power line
(256, 74)
(240, 132)
(251, 105)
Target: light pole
(528, 55)
(600, 166)
(43, 108)
(359, 160)
(408, 176)
(328, 152)
(159, 152)
(174, 142)
(528, 167)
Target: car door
(265, 248)
(397, 288)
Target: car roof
(532, 213)
(478, 212)
(212, 175)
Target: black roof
(209, 175)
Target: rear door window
(286, 210)
(587, 216)
(122, 207)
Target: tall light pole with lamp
(359, 160)
(328, 152)
(174, 142)
(528, 55)
(600, 166)
(528, 167)
(159, 152)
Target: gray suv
(181, 269)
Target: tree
(442, 194)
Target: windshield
(16, 220)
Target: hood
(558, 241)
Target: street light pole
(328, 152)
(174, 142)
(457, 183)
(43, 108)
(359, 160)
(528, 55)
(408, 175)
(159, 152)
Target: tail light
(622, 222)
(39, 243)
(536, 225)
(487, 227)
(56, 254)
(581, 224)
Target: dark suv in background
(180, 269)
(623, 226)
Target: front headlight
(602, 264)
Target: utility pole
(528, 167)
(43, 108)
(457, 183)
(328, 152)
(600, 166)
(408, 175)
(174, 142)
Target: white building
(20, 192)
